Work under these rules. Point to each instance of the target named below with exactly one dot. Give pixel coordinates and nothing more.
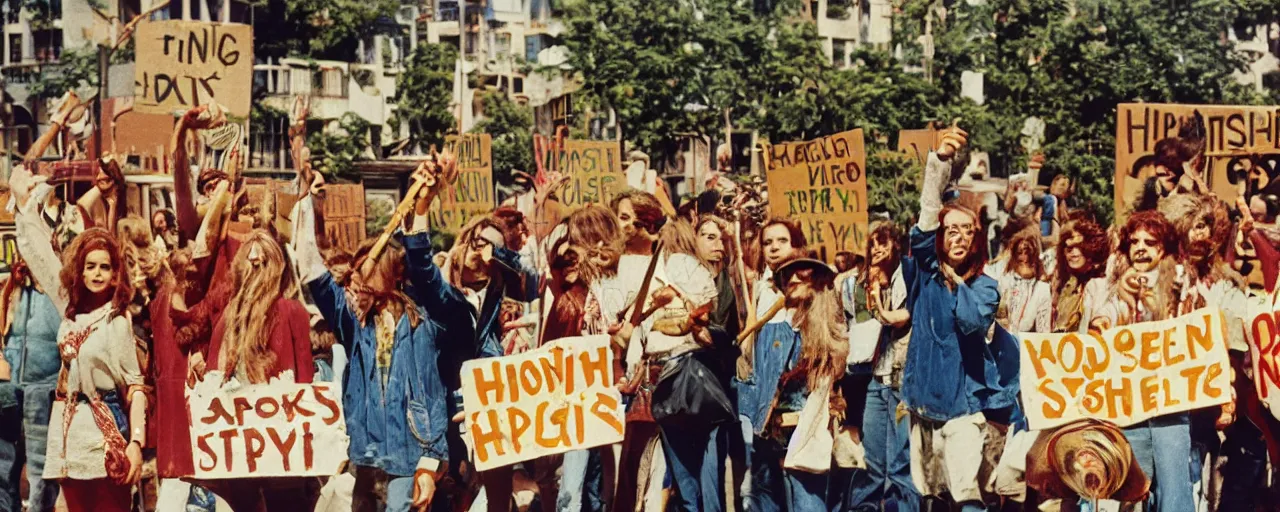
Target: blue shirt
(950, 370)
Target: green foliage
(334, 152)
(77, 69)
(316, 29)
(424, 91)
(1071, 69)
(892, 186)
(377, 216)
(511, 125)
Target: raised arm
(185, 206)
(330, 298)
(35, 245)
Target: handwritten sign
(473, 191)
(1239, 140)
(555, 399)
(917, 144)
(184, 64)
(1127, 374)
(1263, 332)
(261, 430)
(595, 172)
(344, 215)
(822, 185)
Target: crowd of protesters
(888, 381)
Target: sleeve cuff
(429, 464)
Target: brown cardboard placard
(344, 215)
(473, 193)
(595, 172)
(1235, 135)
(184, 64)
(821, 184)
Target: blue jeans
(580, 475)
(375, 487)
(886, 440)
(694, 468)
(774, 489)
(37, 405)
(1163, 448)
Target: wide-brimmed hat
(1051, 458)
(822, 271)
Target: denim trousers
(1163, 448)
(37, 405)
(694, 469)
(376, 491)
(581, 476)
(886, 439)
(776, 489)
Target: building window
(448, 11)
(502, 44)
(48, 44)
(15, 48)
(329, 82)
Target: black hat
(822, 271)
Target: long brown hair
(824, 351)
(568, 309)
(594, 228)
(72, 274)
(390, 267)
(883, 232)
(248, 317)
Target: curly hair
(1094, 244)
(72, 275)
(1154, 223)
(594, 229)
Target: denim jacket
(951, 371)
(777, 351)
(472, 334)
(32, 344)
(400, 427)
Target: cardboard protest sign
(821, 185)
(555, 399)
(261, 430)
(1127, 374)
(1242, 139)
(1262, 328)
(918, 143)
(473, 191)
(595, 172)
(184, 64)
(343, 214)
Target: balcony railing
(269, 150)
(21, 73)
(277, 80)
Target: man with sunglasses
(948, 379)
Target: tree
(424, 91)
(1070, 63)
(511, 125)
(334, 152)
(77, 69)
(315, 29)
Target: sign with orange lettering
(821, 184)
(555, 399)
(276, 429)
(1128, 374)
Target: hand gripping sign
(1127, 374)
(555, 399)
(276, 429)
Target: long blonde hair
(824, 348)
(247, 338)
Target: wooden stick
(397, 217)
(759, 323)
